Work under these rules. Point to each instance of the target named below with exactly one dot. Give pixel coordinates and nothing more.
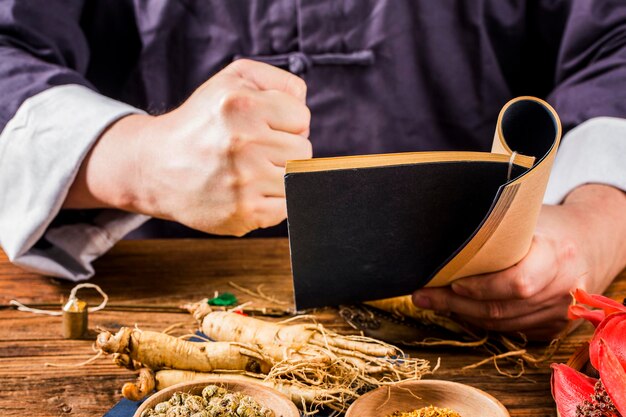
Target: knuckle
(235, 102)
(569, 250)
(243, 179)
(241, 64)
(237, 183)
(306, 150)
(522, 286)
(494, 310)
(297, 85)
(230, 182)
(306, 118)
(235, 144)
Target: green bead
(224, 299)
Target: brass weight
(75, 319)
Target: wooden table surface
(146, 281)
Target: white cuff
(41, 150)
(593, 152)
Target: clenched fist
(215, 164)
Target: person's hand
(581, 243)
(216, 163)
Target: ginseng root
(144, 385)
(158, 350)
(226, 326)
(354, 360)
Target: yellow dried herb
(429, 411)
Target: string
(105, 299)
(22, 307)
(508, 174)
(76, 365)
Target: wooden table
(146, 281)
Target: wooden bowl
(268, 397)
(411, 395)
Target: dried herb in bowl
(429, 411)
(214, 401)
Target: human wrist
(600, 211)
(110, 174)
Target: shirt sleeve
(591, 153)
(590, 97)
(50, 117)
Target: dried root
(158, 350)
(143, 386)
(308, 356)
(198, 310)
(371, 361)
(313, 366)
(226, 326)
(124, 361)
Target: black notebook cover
(387, 228)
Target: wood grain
(146, 282)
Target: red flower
(573, 391)
(570, 389)
(612, 332)
(613, 376)
(607, 305)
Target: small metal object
(74, 312)
(75, 319)
(385, 326)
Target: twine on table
(105, 299)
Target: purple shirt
(383, 76)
